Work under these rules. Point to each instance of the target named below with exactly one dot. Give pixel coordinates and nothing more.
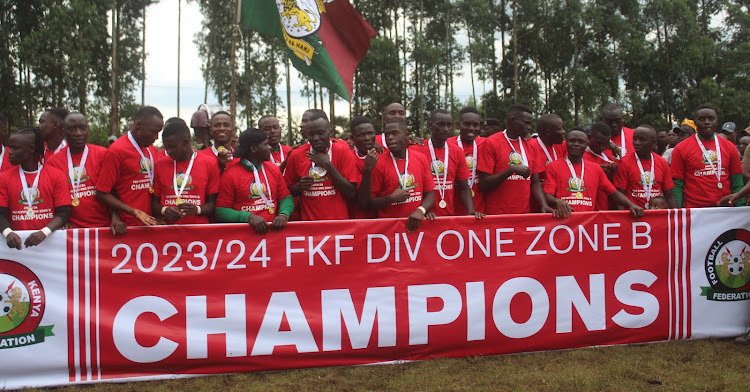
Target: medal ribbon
(623, 147)
(268, 200)
(546, 152)
(2, 156)
(71, 170)
(717, 168)
(647, 185)
(441, 188)
(177, 193)
(604, 157)
(150, 168)
(281, 156)
(524, 160)
(573, 171)
(473, 178)
(330, 156)
(406, 169)
(29, 193)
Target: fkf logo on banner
(728, 267)
(22, 305)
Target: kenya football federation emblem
(22, 303)
(727, 267)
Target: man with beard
(32, 196)
(469, 142)
(448, 167)
(270, 125)
(574, 184)
(222, 130)
(705, 167)
(643, 174)
(322, 172)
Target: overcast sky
(161, 66)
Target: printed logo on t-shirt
(437, 167)
(709, 157)
(146, 165)
(181, 178)
(575, 184)
(470, 162)
(79, 174)
(37, 200)
(408, 181)
(647, 178)
(514, 158)
(256, 189)
(317, 173)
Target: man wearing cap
(270, 125)
(322, 172)
(186, 183)
(727, 131)
(705, 167)
(684, 131)
(201, 127)
(126, 180)
(490, 126)
(254, 191)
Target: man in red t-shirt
(391, 111)
(270, 125)
(363, 135)
(642, 174)
(82, 163)
(4, 161)
(32, 197)
(51, 125)
(222, 130)
(254, 191)
(574, 184)
(508, 170)
(598, 152)
(705, 167)
(621, 136)
(401, 182)
(468, 141)
(322, 172)
(186, 183)
(548, 147)
(126, 181)
(448, 167)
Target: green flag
(327, 38)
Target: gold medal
(271, 210)
(472, 193)
(30, 212)
(178, 201)
(442, 204)
(720, 185)
(76, 202)
(151, 189)
(579, 195)
(221, 149)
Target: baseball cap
(199, 119)
(490, 122)
(112, 139)
(728, 127)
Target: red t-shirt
(210, 152)
(90, 212)
(457, 171)
(322, 201)
(628, 133)
(203, 181)
(512, 196)
(5, 162)
(688, 164)
(51, 192)
(239, 190)
(602, 199)
(628, 177)
(355, 211)
(418, 180)
(278, 157)
(557, 151)
(468, 152)
(581, 197)
(48, 153)
(124, 172)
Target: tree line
(658, 58)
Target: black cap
(248, 138)
(490, 122)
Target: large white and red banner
(158, 302)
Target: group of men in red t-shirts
(52, 178)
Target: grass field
(708, 365)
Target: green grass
(707, 365)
